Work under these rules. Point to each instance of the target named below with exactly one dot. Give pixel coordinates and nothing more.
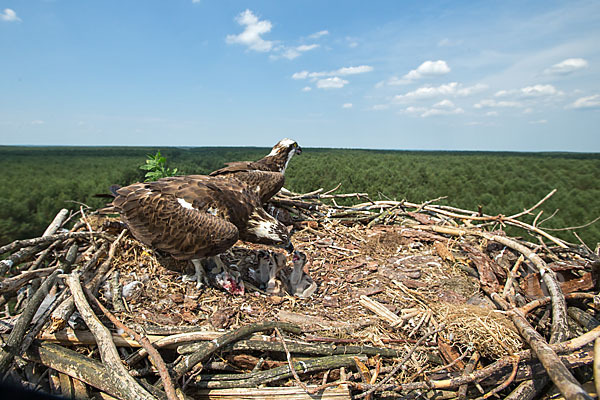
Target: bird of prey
(195, 217)
(266, 174)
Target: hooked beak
(289, 247)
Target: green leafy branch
(156, 167)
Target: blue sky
(449, 75)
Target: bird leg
(199, 276)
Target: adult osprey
(266, 174)
(196, 216)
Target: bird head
(263, 228)
(299, 257)
(284, 150)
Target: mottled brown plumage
(266, 174)
(196, 216)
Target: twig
(597, 365)
(13, 343)
(18, 244)
(120, 378)
(289, 360)
(571, 228)
(154, 355)
(470, 367)
(398, 366)
(559, 374)
(507, 382)
(539, 203)
(209, 348)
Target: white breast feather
(185, 204)
(263, 229)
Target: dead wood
(18, 244)
(145, 343)
(129, 388)
(209, 348)
(402, 261)
(13, 343)
(300, 348)
(274, 374)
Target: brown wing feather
(157, 219)
(238, 166)
(266, 183)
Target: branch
(108, 352)
(155, 357)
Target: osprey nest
(382, 299)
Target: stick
(190, 361)
(559, 374)
(108, 352)
(559, 307)
(16, 282)
(77, 366)
(289, 360)
(275, 374)
(402, 362)
(18, 244)
(63, 312)
(539, 203)
(155, 357)
(471, 364)
(13, 343)
(57, 222)
(297, 348)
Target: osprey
(266, 174)
(194, 217)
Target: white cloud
(307, 47)
(586, 102)
(317, 35)
(487, 103)
(491, 114)
(530, 91)
(361, 69)
(9, 15)
(38, 122)
(415, 110)
(539, 122)
(331, 83)
(427, 69)
(444, 104)
(441, 111)
(539, 90)
(567, 66)
(347, 105)
(447, 89)
(444, 107)
(427, 92)
(294, 52)
(300, 75)
(470, 90)
(251, 36)
(306, 89)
